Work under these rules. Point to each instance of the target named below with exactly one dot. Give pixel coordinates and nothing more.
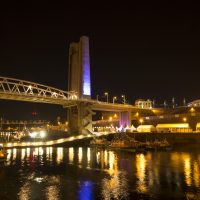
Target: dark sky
(142, 50)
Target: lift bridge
(21, 90)
(78, 97)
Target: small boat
(3, 154)
(158, 145)
(99, 142)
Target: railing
(21, 87)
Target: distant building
(198, 127)
(141, 103)
(195, 103)
(174, 128)
(146, 128)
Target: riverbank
(172, 138)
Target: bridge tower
(80, 116)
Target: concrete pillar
(79, 68)
(80, 118)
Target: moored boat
(99, 142)
(158, 145)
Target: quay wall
(173, 138)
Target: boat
(99, 142)
(123, 142)
(3, 154)
(158, 145)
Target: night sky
(140, 50)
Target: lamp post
(184, 102)
(114, 98)
(165, 104)
(97, 97)
(106, 94)
(173, 102)
(124, 99)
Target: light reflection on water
(77, 173)
(141, 169)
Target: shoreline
(172, 138)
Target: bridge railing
(21, 87)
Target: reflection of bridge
(77, 100)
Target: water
(89, 173)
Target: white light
(42, 134)
(33, 134)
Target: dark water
(89, 173)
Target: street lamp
(173, 102)
(124, 99)
(97, 97)
(165, 103)
(114, 98)
(106, 94)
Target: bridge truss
(21, 90)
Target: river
(88, 173)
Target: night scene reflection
(90, 173)
(99, 101)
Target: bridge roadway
(21, 90)
(52, 142)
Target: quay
(172, 138)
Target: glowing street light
(184, 119)
(106, 94)
(114, 98)
(124, 99)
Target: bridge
(78, 97)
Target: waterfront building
(195, 103)
(198, 127)
(175, 127)
(141, 103)
(146, 128)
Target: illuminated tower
(79, 68)
(80, 116)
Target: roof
(182, 125)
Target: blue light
(86, 67)
(86, 79)
(86, 191)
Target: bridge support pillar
(80, 118)
(125, 118)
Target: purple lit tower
(79, 68)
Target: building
(146, 128)
(141, 103)
(174, 128)
(198, 127)
(195, 103)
